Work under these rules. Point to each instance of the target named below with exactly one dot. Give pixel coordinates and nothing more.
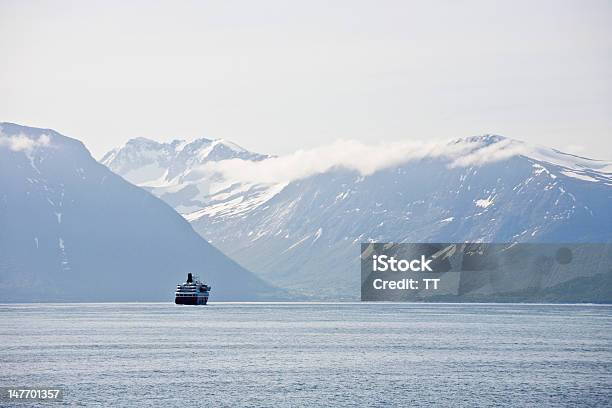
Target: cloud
(498, 151)
(352, 155)
(22, 143)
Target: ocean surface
(319, 354)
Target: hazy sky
(276, 76)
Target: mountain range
(302, 232)
(72, 230)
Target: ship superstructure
(192, 292)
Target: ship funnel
(189, 278)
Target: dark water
(311, 354)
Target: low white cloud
(498, 151)
(22, 143)
(352, 155)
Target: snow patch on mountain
(578, 175)
(484, 202)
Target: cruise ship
(192, 292)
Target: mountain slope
(304, 234)
(71, 230)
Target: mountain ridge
(487, 188)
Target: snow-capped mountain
(167, 169)
(71, 230)
(303, 233)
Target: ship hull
(191, 300)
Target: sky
(279, 76)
